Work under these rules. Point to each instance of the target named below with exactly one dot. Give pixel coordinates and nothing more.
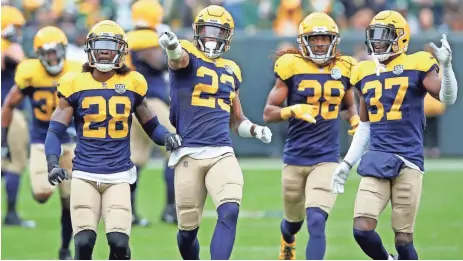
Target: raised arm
(157, 132)
(244, 127)
(177, 57)
(446, 89)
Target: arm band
(176, 53)
(244, 129)
(156, 131)
(449, 86)
(53, 142)
(360, 143)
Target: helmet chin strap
(379, 66)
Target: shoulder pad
(140, 85)
(65, 85)
(424, 61)
(25, 71)
(284, 66)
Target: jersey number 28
(102, 115)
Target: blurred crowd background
(252, 17)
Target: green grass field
(438, 233)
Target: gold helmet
(314, 26)
(387, 35)
(106, 37)
(147, 13)
(12, 21)
(213, 30)
(50, 46)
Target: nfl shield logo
(398, 69)
(336, 73)
(119, 88)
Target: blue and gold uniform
(140, 40)
(324, 87)
(34, 81)
(395, 102)
(103, 118)
(201, 95)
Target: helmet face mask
(381, 40)
(52, 57)
(212, 38)
(387, 35)
(319, 47)
(105, 53)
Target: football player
(392, 88)
(315, 82)
(204, 91)
(14, 149)
(102, 99)
(37, 79)
(148, 59)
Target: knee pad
(84, 242)
(228, 213)
(119, 246)
(187, 237)
(316, 220)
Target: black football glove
(57, 175)
(173, 142)
(5, 148)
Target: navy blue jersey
(201, 96)
(34, 82)
(102, 119)
(395, 103)
(139, 40)
(309, 144)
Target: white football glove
(339, 178)
(168, 40)
(263, 133)
(444, 53)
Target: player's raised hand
(57, 175)
(444, 53)
(263, 133)
(339, 178)
(173, 142)
(168, 40)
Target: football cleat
(287, 251)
